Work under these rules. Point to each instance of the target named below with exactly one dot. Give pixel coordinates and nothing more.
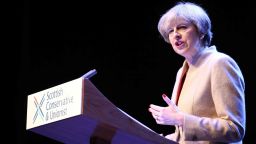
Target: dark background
(58, 41)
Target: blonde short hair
(192, 13)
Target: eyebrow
(180, 24)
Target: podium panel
(83, 115)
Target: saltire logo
(39, 111)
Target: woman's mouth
(178, 44)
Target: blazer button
(194, 138)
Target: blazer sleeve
(227, 89)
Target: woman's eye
(170, 31)
(182, 27)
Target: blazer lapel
(179, 82)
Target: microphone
(89, 74)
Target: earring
(202, 37)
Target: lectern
(76, 112)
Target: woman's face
(184, 37)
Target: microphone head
(90, 74)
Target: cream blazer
(212, 98)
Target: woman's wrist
(180, 119)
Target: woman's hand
(169, 115)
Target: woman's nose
(177, 34)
